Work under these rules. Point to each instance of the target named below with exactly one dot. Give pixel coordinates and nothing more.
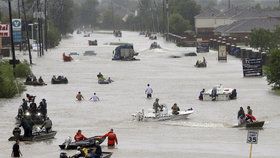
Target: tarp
(124, 52)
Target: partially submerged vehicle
(66, 58)
(36, 136)
(218, 93)
(162, 115)
(89, 53)
(117, 33)
(92, 42)
(59, 80)
(68, 144)
(155, 45)
(124, 52)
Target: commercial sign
(222, 53)
(252, 137)
(17, 36)
(252, 67)
(4, 30)
(16, 23)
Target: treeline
(269, 41)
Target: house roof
(246, 26)
(208, 12)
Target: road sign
(4, 30)
(252, 136)
(16, 24)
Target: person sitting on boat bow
(175, 109)
(40, 80)
(249, 115)
(47, 124)
(28, 79)
(241, 116)
(100, 76)
(79, 136)
(156, 106)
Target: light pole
(167, 15)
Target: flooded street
(207, 133)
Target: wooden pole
(250, 155)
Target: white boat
(163, 115)
(219, 93)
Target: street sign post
(252, 138)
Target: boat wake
(196, 124)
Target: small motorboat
(153, 37)
(59, 80)
(92, 43)
(104, 154)
(35, 83)
(107, 81)
(256, 124)
(163, 115)
(90, 142)
(219, 93)
(74, 53)
(37, 136)
(89, 53)
(155, 45)
(124, 53)
(67, 58)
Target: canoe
(38, 136)
(90, 142)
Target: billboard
(222, 52)
(252, 67)
(4, 30)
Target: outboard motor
(67, 141)
(17, 132)
(63, 155)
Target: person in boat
(214, 93)
(94, 97)
(112, 138)
(204, 61)
(110, 80)
(100, 76)
(233, 94)
(20, 112)
(241, 116)
(149, 91)
(24, 105)
(79, 153)
(98, 150)
(79, 136)
(40, 80)
(28, 79)
(42, 108)
(175, 109)
(16, 151)
(79, 96)
(34, 79)
(53, 78)
(249, 115)
(47, 124)
(200, 97)
(33, 108)
(30, 97)
(156, 105)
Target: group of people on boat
(214, 93)
(244, 118)
(33, 80)
(101, 78)
(200, 63)
(157, 107)
(80, 97)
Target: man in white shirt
(149, 91)
(94, 98)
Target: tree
(261, 38)
(178, 24)
(272, 70)
(89, 13)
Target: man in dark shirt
(16, 152)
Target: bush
(54, 37)
(272, 70)
(22, 70)
(9, 85)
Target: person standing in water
(16, 152)
(149, 91)
(79, 96)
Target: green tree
(272, 70)
(261, 38)
(88, 13)
(178, 24)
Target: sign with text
(222, 52)
(252, 67)
(16, 24)
(4, 30)
(17, 36)
(252, 137)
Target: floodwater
(208, 132)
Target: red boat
(67, 58)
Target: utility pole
(12, 36)
(229, 4)
(113, 21)
(39, 29)
(46, 27)
(18, 7)
(167, 15)
(27, 33)
(163, 16)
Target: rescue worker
(33, 108)
(24, 105)
(156, 105)
(79, 136)
(175, 109)
(79, 96)
(112, 138)
(149, 91)
(47, 124)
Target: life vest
(79, 137)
